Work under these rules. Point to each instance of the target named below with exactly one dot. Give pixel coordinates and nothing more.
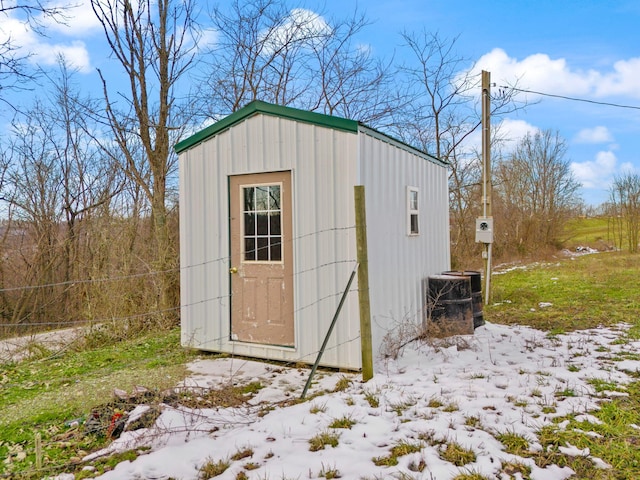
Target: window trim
(413, 212)
(243, 258)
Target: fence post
(363, 283)
(38, 437)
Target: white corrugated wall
(398, 262)
(322, 161)
(325, 164)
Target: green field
(584, 292)
(594, 232)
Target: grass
(585, 292)
(457, 454)
(329, 472)
(513, 468)
(213, 469)
(594, 232)
(398, 450)
(40, 395)
(471, 475)
(322, 439)
(343, 422)
(243, 453)
(78, 380)
(513, 443)
(372, 399)
(317, 408)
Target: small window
(262, 231)
(413, 211)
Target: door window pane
(263, 248)
(276, 248)
(262, 198)
(274, 224)
(262, 223)
(274, 197)
(249, 196)
(250, 223)
(249, 249)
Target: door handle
(233, 270)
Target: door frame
(257, 303)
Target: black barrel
(449, 303)
(476, 293)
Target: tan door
(261, 259)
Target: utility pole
(484, 224)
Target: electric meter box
(484, 230)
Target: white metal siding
(322, 161)
(398, 262)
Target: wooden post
(363, 283)
(38, 451)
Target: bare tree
(33, 189)
(89, 178)
(265, 51)
(351, 82)
(624, 196)
(12, 59)
(441, 92)
(257, 55)
(439, 115)
(152, 42)
(56, 179)
(464, 206)
(538, 191)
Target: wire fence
(224, 259)
(325, 300)
(220, 300)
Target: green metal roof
(258, 106)
(314, 118)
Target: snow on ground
(466, 389)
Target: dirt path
(19, 348)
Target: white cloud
(12, 29)
(75, 54)
(539, 72)
(622, 81)
(596, 173)
(597, 134)
(208, 38)
(628, 167)
(510, 132)
(505, 135)
(302, 23)
(80, 20)
(41, 50)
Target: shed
(268, 238)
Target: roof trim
(258, 106)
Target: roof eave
(258, 106)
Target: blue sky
(588, 49)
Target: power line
(575, 99)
